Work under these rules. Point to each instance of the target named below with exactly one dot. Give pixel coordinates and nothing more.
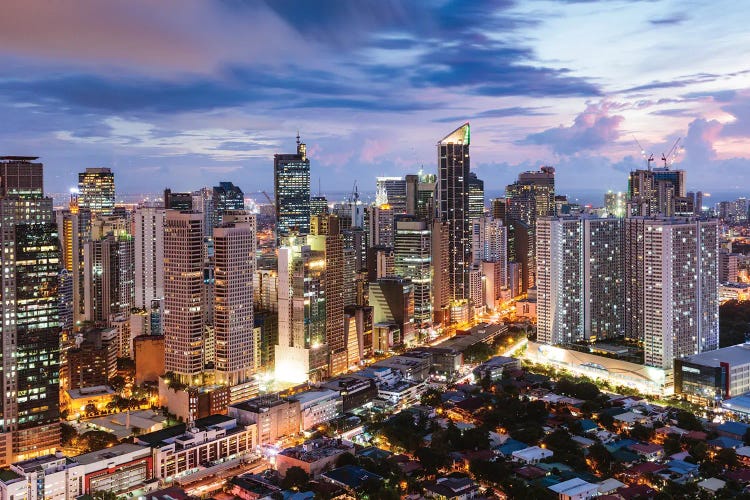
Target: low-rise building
(575, 489)
(394, 391)
(120, 469)
(494, 367)
(350, 477)
(52, 477)
(210, 441)
(451, 488)
(415, 369)
(314, 457)
(77, 401)
(318, 406)
(714, 375)
(531, 455)
(355, 391)
(275, 417)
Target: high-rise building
(109, 275)
(393, 305)
(394, 190)
(183, 322)
(672, 286)
(234, 267)
(380, 225)
(202, 201)
(453, 207)
(580, 279)
(498, 209)
(425, 204)
(413, 260)
(301, 353)
(226, 197)
(728, 266)
(530, 197)
(149, 255)
(331, 246)
(291, 176)
(73, 227)
(615, 203)
(318, 205)
(489, 246)
(441, 296)
(655, 191)
(476, 196)
(97, 190)
(178, 201)
(29, 302)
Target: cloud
(496, 113)
(592, 129)
(699, 142)
(672, 20)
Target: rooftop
(351, 476)
(317, 449)
(573, 487)
(109, 453)
(314, 395)
(734, 355)
(38, 463)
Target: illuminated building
(530, 197)
(97, 191)
(291, 176)
(109, 276)
(672, 286)
(413, 260)
(380, 225)
(318, 205)
(580, 279)
(453, 207)
(394, 191)
(149, 255)
(30, 327)
(615, 204)
(441, 295)
(183, 295)
(177, 201)
(225, 197)
(302, 352)
(425, 203)
(393, 304)
(476, 196)
(655, 191)
(234, 267)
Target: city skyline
(194, 100)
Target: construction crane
(270, 201)
(670, 157)
(649, 158)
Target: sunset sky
(188, 93)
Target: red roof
(636, 491)
(644, 468)
(739, 475)
(646, 448)
(697, 435)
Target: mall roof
(734, 355)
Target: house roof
(351, 476)
(737, 428)
(725, 442)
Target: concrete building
(97, 191)
(318, 406)
(184, 295)
(393, 303)
(394, 192)
(672, 287)
(119, 469)
(413, 261)
(149, 358)
(714, 375)
(275, 417)
(52, 477)
(728, 266)
(314, 457)
(355, 391)
(149, 255)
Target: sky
(184, 94)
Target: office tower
(73, 227)
(412, 186)
(301, 353)
(29, 282)
(453, 207)
(413, 260)
(490, 250)
(234, 267)
(530, 197)
(109, 275)
(291, 178)
(394, 191)
(318, 205)
(498, 208)
(380, 225)
(381, 262)
(672, 286)
(226, 197)
(97, 191)
(350, 276)
(149, 255)
(183, 318)
(266, 315)
(655, 191)
(425, 204)
(392, 300)
(66, 301)
(441, 296)
(615, 203)
(331, 246)
(580, 279)
(202, 201)
(178, 201)
(728, 266)
(476, 196)
(698, 205)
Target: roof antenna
(297, 137)
(319, 190)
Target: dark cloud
(591, 130)
(672, 20)
(497, 113)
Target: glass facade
(291, 176)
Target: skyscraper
(476, 196)
(318, 205)
(183, 322)
(413, 260)
(226, 197)
(234, 267)
(291, 176)
(149, 255)
(655, 191)
(580, 279)
(30, 327)
(394, 189)
(97, 191)
(453, 207)
(672, 286)
(380, 225)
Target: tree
(672, 444)
(686, 420)
(295, 478)
(103, 495)
(478, 353)
(640, 432)
(431, 459)
(601, 458)
(727, 457)
(67, 433)
(431, 397)
(97, 440)
(346, 459)
(117, 383)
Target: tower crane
(649, 159)
(670, 157)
